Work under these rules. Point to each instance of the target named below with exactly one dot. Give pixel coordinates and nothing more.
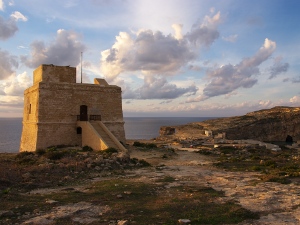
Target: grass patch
(279, 167)
(139, 202)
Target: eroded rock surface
(274, 124)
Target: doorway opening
(83, 113)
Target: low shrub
(26, 158)
(24, 154)
(40, 152)
(86, 149)
(144, 145)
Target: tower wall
(55, 74)
(54, 106)
(30, 119)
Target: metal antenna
(81, 66)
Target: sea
(135, 128)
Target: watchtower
(59, 111)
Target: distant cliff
(265, 125)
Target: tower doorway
(83, 113)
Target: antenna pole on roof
(81, 67)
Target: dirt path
(278, 203)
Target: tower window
(29, 109)
(79, 130)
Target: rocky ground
(274, 124)
(276, 203)
(106, 190)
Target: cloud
(178, 31)
(229, 77)
(11, 100)
(7, 28)
(159, 88)
(156, 88)
(17, 84)
(63, 51)
(1, 5)
(278, 67)
(295, 100)
(231, 38)
(7, 64)
(194, 67)
(206, 33)
(296, 80)
(18, 16)
(149, 52)
(165, 102)
(155, 53)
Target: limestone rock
(184, 221)
(274, 124)
(122, 222)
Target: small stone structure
(166, 131)
(208, 133)
(59, 111)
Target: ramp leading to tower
(96, 135)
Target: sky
(172, 58)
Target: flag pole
(81, 66)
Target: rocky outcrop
(274, 124)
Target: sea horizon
(136, 128)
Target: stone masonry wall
(90, 138)
(51, 73)
(52, 104)
(30, 118)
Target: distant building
(208, 133)
(59, 111)
(220, 135)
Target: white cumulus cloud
(295, 99)
(159, 88)
(228, 78)
(63, 51)
(206, 33)
(19, 16)
(8, 64)
(155, 53)
(7, 28)
(278, 67)
(17, 84)
(1, 5)
(149, 52)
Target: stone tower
(59, 111)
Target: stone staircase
(104, 135)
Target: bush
(137, 144)
(271, 164)
(109, 151)
(40, 152)
(205, 152)
(278, 179)
(24, 154)
(227, 149)
(55, 155)
(26, 158)
(87, 149)
(144, 145)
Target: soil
(276, 203)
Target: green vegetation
(144, 145)
(139, 202)
(281, 166)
